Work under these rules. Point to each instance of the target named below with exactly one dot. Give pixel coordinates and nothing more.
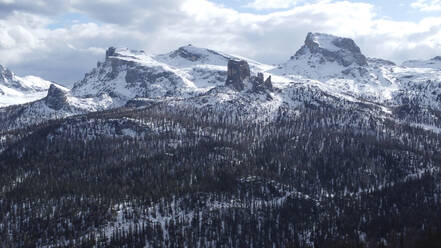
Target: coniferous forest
(159, 175)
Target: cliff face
(238, 72)
(56, 97)
(331, 48)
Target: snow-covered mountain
(18, 90)
(336, 65)
(434, 63)
(127, 74)
(328, 48)
(56, 103)
(326, 70)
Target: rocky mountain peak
(56, 97)
(191, 53)
(110, 52)
(437, 58)
(331, 48)
(10, 80)
(5, 74)
(188, 52)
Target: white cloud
(427, 5)
(272, 4)
(28, 46)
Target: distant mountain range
(325, 64)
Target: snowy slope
(185, 72)
(126, 74)
(58, 103)
(434, 63)
(204, 67)
(337, 66)
(18, 90)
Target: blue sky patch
(68, 19)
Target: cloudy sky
(61, 40)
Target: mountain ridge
(328, 64)
(18, 90)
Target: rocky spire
(260, 85)
(238, 71)
(268, 84)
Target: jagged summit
(126, 74)
(188, 53)
(331, 48)
(327, 63)
(5, 74)
(191, 55)
(184, 55)
(10, 80)
(325, 56)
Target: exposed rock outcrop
(8, 79)
(56, 97)
(5, 74)
(110, 52)
(126, 74)
(260, 85)
(185, 52)
(331, 48)
(268, 84)
(238, 72)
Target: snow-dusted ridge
(18, 90)
(325, 65)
